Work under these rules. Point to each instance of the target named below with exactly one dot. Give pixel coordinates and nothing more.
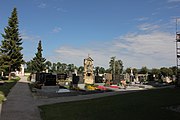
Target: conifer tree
(38, 62)
(10, 50)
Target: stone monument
(88, 71)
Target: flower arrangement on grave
(91, 87)
(102, 87)
(114, 86)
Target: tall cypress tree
(38, 62)
(11, 56)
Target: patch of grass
(143, 105)
(5, 88)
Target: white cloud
(60, 9)
(76, 55)
(42, 5)
(172, 7)
(148, 27)
(57, 29)
(155, 49)
(150, 44)
(142, 19)
(26, 37)
(173, 0)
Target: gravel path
(20, 104)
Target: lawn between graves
(5, 88)
(142, 105)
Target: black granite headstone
(40, 77)
(98, 79)
(75, 79)
(61, 76)
(50, 80)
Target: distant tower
(177, 54)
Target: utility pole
(177, 54)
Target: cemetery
(65, 91)
(47, 85)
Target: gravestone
(108, 76)
(117, 79)
(32, 77)
(75, 80)
(47, 79)
(40, 77)
(61, 76)
(98, 79)
(81, 80)
(88, 71)
(50, 80)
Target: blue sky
(140, 33)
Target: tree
(108, 70)
(11, 56)
(70, 67)
(112, 65)
(54, 67)
(38, 62)
(166, 72)
(175, 70)
(143, 70)
(99, 70)
(80, 70)
(135, 71)
(29, 66)
(96, 71)
(58, 66)
(155, 73)
(102, 70)
(116, 67)
(128, 70)
(64, 67)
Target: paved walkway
(20, 104)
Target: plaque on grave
(61, 76)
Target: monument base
(49, 88)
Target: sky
(138, 32)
